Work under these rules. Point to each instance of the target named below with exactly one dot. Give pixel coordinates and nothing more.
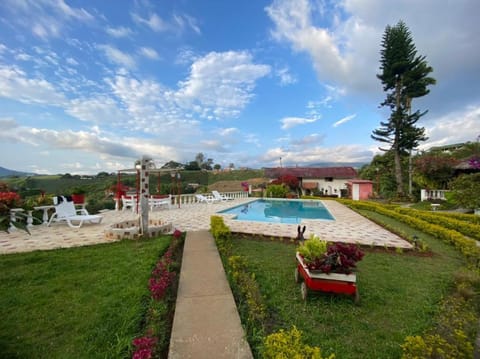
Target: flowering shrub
(288, 180)
(8, 200)
(474, 162)
(290, 345)
(160, 281)
(161, 276)
(144, 347)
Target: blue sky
(90, 86)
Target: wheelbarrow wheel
(304, 290)
(298, 277)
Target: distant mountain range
(5, 172)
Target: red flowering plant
(144, 347)
(161, 280)
(8, 200)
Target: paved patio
(347, 227)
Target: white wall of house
(333, 187)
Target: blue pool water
(278, 211)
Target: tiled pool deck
(347, 227)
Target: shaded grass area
(399, 296)
(86, 302)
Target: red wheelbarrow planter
(318, 281)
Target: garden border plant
(453, 335)
(162, 285)
(251, 305)
(457, 323)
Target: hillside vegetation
(100, 189)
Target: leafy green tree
(404, 76)
(217, 167)
(200, 158)
(276, 191)
(435, 169)
(192, 166)
(379, 172)
(102, 174)
(172, 164)
(466, 190)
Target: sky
(91, 86)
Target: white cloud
(118, 57)
(344, 41)
(289, 122)
(99, 109)
(46, 18)
(228, 132)
(183, 21)
(286, 78)
(344, 120)
(154, 22)
(15, 85)
(149, 53)
(317, 154)
(455, 127)
(119, 32)
(221, 83)
(313, 138)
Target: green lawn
(399, 295)
(86, 302)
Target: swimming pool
(280, 211)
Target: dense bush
(466, 189)
(290, 345)
(276, 191)
(466, 245)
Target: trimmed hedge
(467, 246)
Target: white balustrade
(432, 194)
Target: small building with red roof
(327, 181)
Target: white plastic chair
(65, 211)
(154, 202)
(221, 197)
(206, 199)
(129, 202)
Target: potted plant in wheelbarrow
(327, 267)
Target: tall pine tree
(404, 76)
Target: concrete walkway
(206, 322)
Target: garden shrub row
(456, 325)
(460, 217)
(251, 302)
(467, 246)
(469, 229)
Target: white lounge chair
(129, 202)
(221, 197)
(205, 199)
(159, 202)
(65, 211)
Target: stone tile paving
(347, 227)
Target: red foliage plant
(288, 180)
(339, 258)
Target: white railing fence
(432, 194)
(189, 198)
